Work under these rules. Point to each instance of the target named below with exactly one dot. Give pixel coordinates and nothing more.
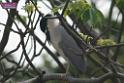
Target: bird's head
(44, 27)
(44, 23)
(47, 23)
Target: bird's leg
(67, 69)
(70, 70)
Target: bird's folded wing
(71, 50)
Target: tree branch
(69, 79)
(7, 29)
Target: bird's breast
(55, 36)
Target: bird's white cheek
(53, 23)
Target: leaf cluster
(120, 4)
(29, 7)
(85, 12)
(104, 42)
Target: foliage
(105, 42)
(120, 4)
(23, 17)
(29, 7)
(85, 12)
(86, 38)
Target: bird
(63, 42)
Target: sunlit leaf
(85, 12)
(103, 42)
(29, 7)
(86, 38)
(80, 8)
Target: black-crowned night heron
(63, 42)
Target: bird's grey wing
(72, 51)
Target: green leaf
(55, 9)
(80, 8)
(96, 17)
(85, 12)
(86, 38)
(85, 16)
(120, 4)
(23, 17)
(104, 42)
(29, 7)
